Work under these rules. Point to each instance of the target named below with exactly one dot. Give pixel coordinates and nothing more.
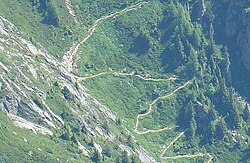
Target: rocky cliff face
(231, 20)
(237, 28)
(244, 41)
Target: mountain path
(68, 58)
(79, 78)
(66, 67)
(70, 10)
(182, 156)
(150, 109)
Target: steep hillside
(236, 33)
(123, 81)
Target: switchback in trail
(165, 148)
(68, 62)
(150, 109)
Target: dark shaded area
(140, 45)
(246, 155)
(240, 76)
(49, 11)
(170, 60)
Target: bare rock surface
(237, 26)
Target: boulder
(10, 103)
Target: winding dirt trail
(150, 109)
(70, 10)
(68, 62)
(92, 76)
(68, 58)
(79, 78)
(170, 144)
(182, 156)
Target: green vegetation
(44, 22)
(89, 11)
(17, 144)
(158, 40)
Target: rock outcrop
(237, 27)
(10, 104)
(244, 41)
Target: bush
(67, 95)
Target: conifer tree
(193, 63)
(96, 157)
(52, 14)
(134, 159)
(246, 113)
(221, 129)
(125, 158)
(193, 124)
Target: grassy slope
(44, 148)
(27, 18)
(128, 96)
(110, 47)
(88, 11)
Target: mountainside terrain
(124, 81)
